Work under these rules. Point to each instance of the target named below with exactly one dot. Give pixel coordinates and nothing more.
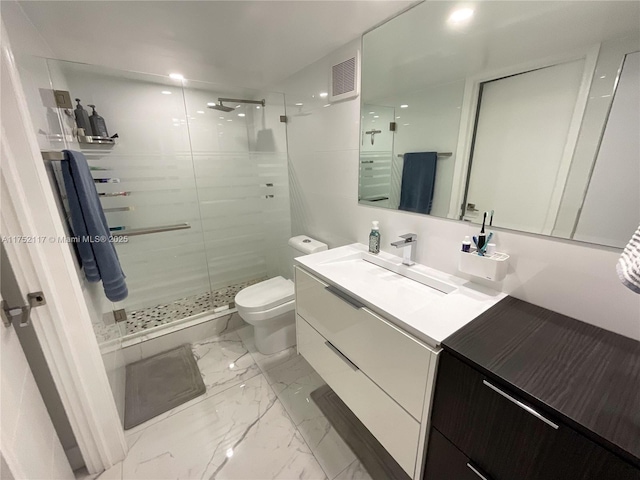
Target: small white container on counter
(491, 267)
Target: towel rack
(440, 154)
(51, 155)
(145, 231)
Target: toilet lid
(266, 295)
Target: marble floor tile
(240, 433)
(355, 471)
(224, 361)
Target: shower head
(222, 108)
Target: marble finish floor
(255, 422)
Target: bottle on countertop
(466, 244)
(82, 119)
(98, 124)
(374, 238)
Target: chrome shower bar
(145, 231)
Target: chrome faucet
(408, 239)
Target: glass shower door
(147, 187)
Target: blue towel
(418, 181)
(97, 253)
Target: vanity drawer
(395, 361)
(507, 437)
(394, 428)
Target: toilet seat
(266, 299)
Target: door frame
(468, 120)
(63, 325)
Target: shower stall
(195, 177)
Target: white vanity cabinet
(384, 375)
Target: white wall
(571, 278)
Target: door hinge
(22, 313)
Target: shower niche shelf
(94, 140)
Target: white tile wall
(575, 279)
(28, 439)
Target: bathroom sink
(360, 263)
(425, 302)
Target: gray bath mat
(374, 458)
(159, 383)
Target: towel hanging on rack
(97, 253)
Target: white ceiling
(246, 43)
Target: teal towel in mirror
(418, 181)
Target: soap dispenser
(98, 124)
(82, 119)
(374, 238)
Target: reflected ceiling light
(211, 104)
(176, 76)
(299, 104)
(404, 106)
(327, 105)
(166, 92)
(460, 16)
(241, 114)
(229, 452)
(258, 107)
(323, 94)
(221, 118)
(371, 113)
(405, 124)
(200, 111)
(229, 120)
(397, 117)
(376, 116)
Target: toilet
(270, 305)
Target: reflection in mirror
(529, 109)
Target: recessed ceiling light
(323, 94)
(200, 111)
(299, 104)
(211, 104)
(258, 107)
(376, 116)
(241, 114)
(166, 92)
(176, 76)
(221, 118)
(404, 106)
(460, 16)
(371, 113)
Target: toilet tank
(303, 245)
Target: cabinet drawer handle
(344, 358)
(520, 404)
(344, 297)
(472, 468)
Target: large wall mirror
(529, 110)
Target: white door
(41, 263)
(29, 445)
(519, 145)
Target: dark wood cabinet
(487, 424)
(445, 461)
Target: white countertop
(427, 314)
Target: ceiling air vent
(344, 79)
